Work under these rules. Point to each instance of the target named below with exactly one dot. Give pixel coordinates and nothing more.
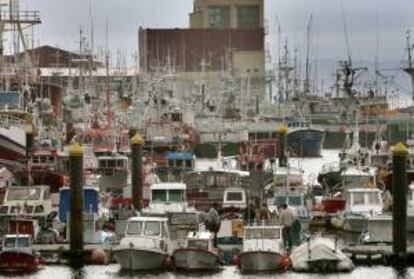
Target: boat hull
(134, 259)
(381, 224)
(18, 262)
(260, 261)
(305, 142)
(195, 260)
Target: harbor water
(112, 271)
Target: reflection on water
(112, 271)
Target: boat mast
(410, 70)
(307, 67)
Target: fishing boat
(18, 256)
(262, 248)
(304, 139)
(320, 255)
(146, 245)
(198, 253)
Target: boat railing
(330, 167)
(20, 16)
(7, 120)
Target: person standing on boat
(249, 213)
(264, 213)
(213, 222)
(286, 218)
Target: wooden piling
(282, 139)
(76, 202)
(136, 161)
(399, 193)
(29, 140)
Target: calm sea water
(311, 168)
(112, 271)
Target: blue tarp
(9, 98)
(180, 155)
(90, 202)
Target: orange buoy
(284, 263)
(98, 256)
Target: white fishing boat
(262, 248)
(320, 255)
(146, 245)
(198, 252)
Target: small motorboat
(263, 249)
(146, 245)
(320, 255)
(18, 255)
(198, 253)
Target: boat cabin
(263, 238)
(200, 240)
(108, 165)
(28, 200)
(180, 161)
(167, 197)
(234, 198)
(364, 200)
(357, 177)
(147, 232)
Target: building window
(219, 16)
(248, 17)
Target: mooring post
(76, 203)
(399, 193)
(29, 140)
(282, 132)
(136, 161)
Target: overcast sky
(62, 20)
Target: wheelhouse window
(198, 244)
(373, 198)
(253, 233)
(271, 233)
(234, 196)
(11, 242)
(295, 201)
(159, 195)
(152, 229)
(358, 198)
(4, 209)
(176, 195)
(134, 228)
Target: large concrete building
(223, 14)
(225, 37)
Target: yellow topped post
(399, 150)
(136, 161)
(137, 139)
(399, 194)
(75, 150)
(282, 130)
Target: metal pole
(399, 193)
(136, 161)
(282, 132)
(76, 204)
(29, 140)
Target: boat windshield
(159, 196)
(134, 228)
(358, 198)
(175, 195)
(152, 228)
(289, 200)
(234, 196)
(271, 233)
(373, 198)
(23, 194)
(198, 244)
(253, 234)
(11, 242)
